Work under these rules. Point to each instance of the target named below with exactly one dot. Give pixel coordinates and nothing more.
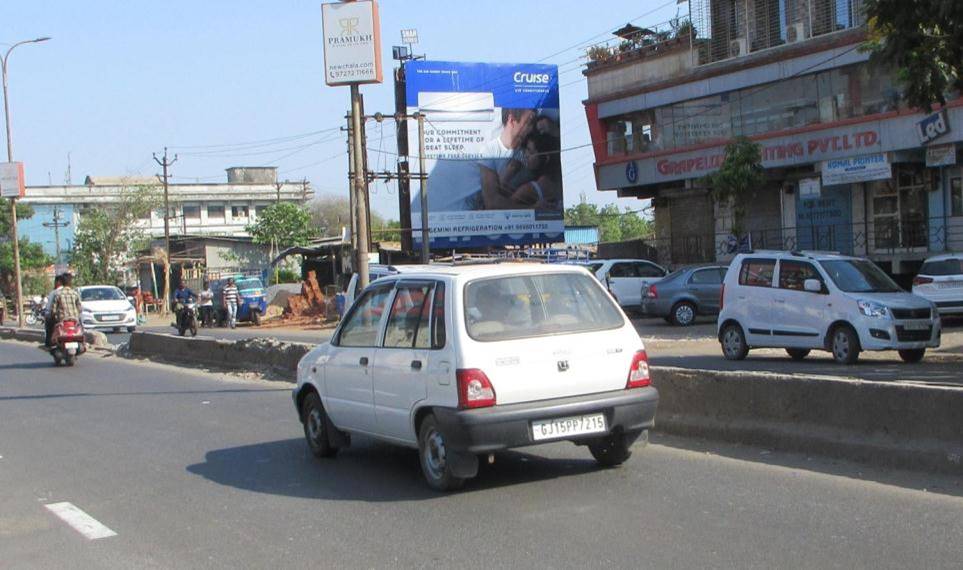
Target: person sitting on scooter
(181, 296)
(66, 304)
(207, 305)
(48, 323)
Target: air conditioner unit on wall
(795, 32)
(738, 47)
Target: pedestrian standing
(207, 305)
(3, 308)
(231, 297)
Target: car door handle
(314, 370)
(416, 365)
(363, 361)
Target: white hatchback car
(106, 307)
(941, 280)
(462, 361)
(626, 279)
(821, 301)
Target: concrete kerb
(897, 425)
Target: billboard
(492, 149)
(11, 179)
(352, 42)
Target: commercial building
(848, 167)
(222, 209)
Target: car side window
(623, 270)
(649, 270)
(361, 327)
(757, 272)
(406, 313)
(793, 275)
(706, 277)
(438, 335)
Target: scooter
(187, 319)
(67, 342)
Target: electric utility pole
(360, 189)
(56, 223)
(165, 164)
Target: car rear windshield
(524, 306)
(859, 276)
(102, 294)
(942, 267)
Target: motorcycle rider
(182, 295)
(66, 304)
(49, 322)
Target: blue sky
(120, 80)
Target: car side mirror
(813, 285)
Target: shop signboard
(940, 155)
(856, 169)
(352, 42)
(493, 152)
(933, 127)
(11, 180)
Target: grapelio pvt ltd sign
(352, 42)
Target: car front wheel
(845, 345)
(433, 452)
(316, 427)
(912, 356)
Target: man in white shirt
(458, 185)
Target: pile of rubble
(312, 305)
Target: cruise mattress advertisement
(492, 150)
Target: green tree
(32, 256)
(923, 41)
(109, 236)
(283, 225)
(613, 224)
(741, 173)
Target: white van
(462, 361)
(821, 301)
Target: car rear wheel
(683, 314)
(798, 353)
(912, 356)
(316, 427)
(611, 452)
(845, 345)
(734, 346)
(433, 452)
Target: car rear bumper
(485, 430)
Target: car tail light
(639, 371)
(722, 296)
(918, 280)
(652, 292)
(474, 389)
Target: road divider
(890, 424)
(94, 339)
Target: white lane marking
(83, 523)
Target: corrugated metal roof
(581, 235)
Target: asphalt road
(198, 470)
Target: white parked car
(626, 279)
(106, 307)
(941, 280)
(462, 361)
(815, 301)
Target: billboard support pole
(425, 249)
(404, 182)
(360, 212)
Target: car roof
(97, 287)
(811, 255)
(471, 271)
(944, 257)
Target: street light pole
(13, 201)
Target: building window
(192, 212)
(215, 214)
(239, 211)
(956, 196)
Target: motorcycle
(35, 315)
(67, 342)
(187, 318)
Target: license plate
(71, 345)
(110, 318)
(917, 326)
(565, 427)
(950, 285)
